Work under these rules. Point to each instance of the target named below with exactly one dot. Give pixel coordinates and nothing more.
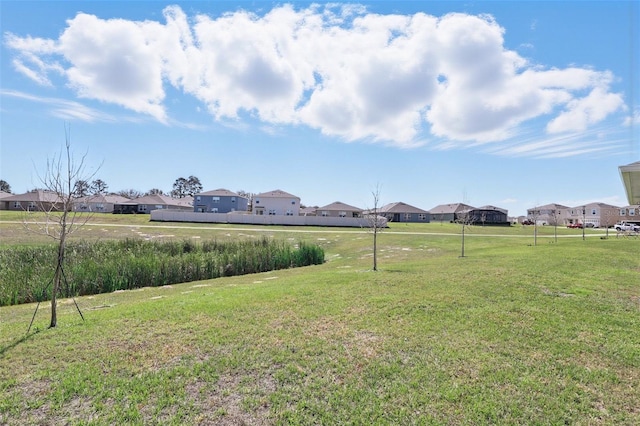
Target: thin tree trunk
(57, 280)
(375, 247)
(56, 286)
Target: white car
(626, 226)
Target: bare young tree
(60, 179)
(608, 219)
(553, 218)
(533, 215)
(465, 218)
(375, 223)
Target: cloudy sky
(512, 104)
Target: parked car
(589, 225)
(527, 222)
(574, 225)
(626, 226)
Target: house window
(325, 213)
(142, 208)
(214, 210)
(257, 201)
(198, 198)
(289, 213)
(272, 212)
(623, 212)
(16, 204)
(632, 212)
(342, 214)
(422, 216)
(158, 206)
(100, 206)
(593, 211)
(233, 199)
(293, 202)
(215, 199)
(407, 216)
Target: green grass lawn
(510, 334)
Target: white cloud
(633, 119)
(584, 112)
(63, 108)
(399, 79)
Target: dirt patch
(225, 402)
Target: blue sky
(512, 104)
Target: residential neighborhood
(221, 202)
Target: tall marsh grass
(106, 266)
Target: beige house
(403, 212)
(448, 212)
(339, 209)
(36, 200)
(149, 203)
(629, 213)
(3, 195)
(276, 203)
(594, 215)
(98, 203)
(549, 214)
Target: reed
(106, 266)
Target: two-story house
(275, 203)
(629, 214)
(219, 201)
(549, 214)
(594, 215)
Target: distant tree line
(182, 187)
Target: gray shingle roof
(339, 206)
(400, 207)
(221, 192)
(278, 193)
(450, 208)
(36, 196)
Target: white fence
(248, 219)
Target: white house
(276, 203)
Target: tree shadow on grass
(15, 343)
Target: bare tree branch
(56, 199)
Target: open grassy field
(510, 334)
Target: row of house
(272, 203)
(278, 202)
(590, 215)
(42, 200)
